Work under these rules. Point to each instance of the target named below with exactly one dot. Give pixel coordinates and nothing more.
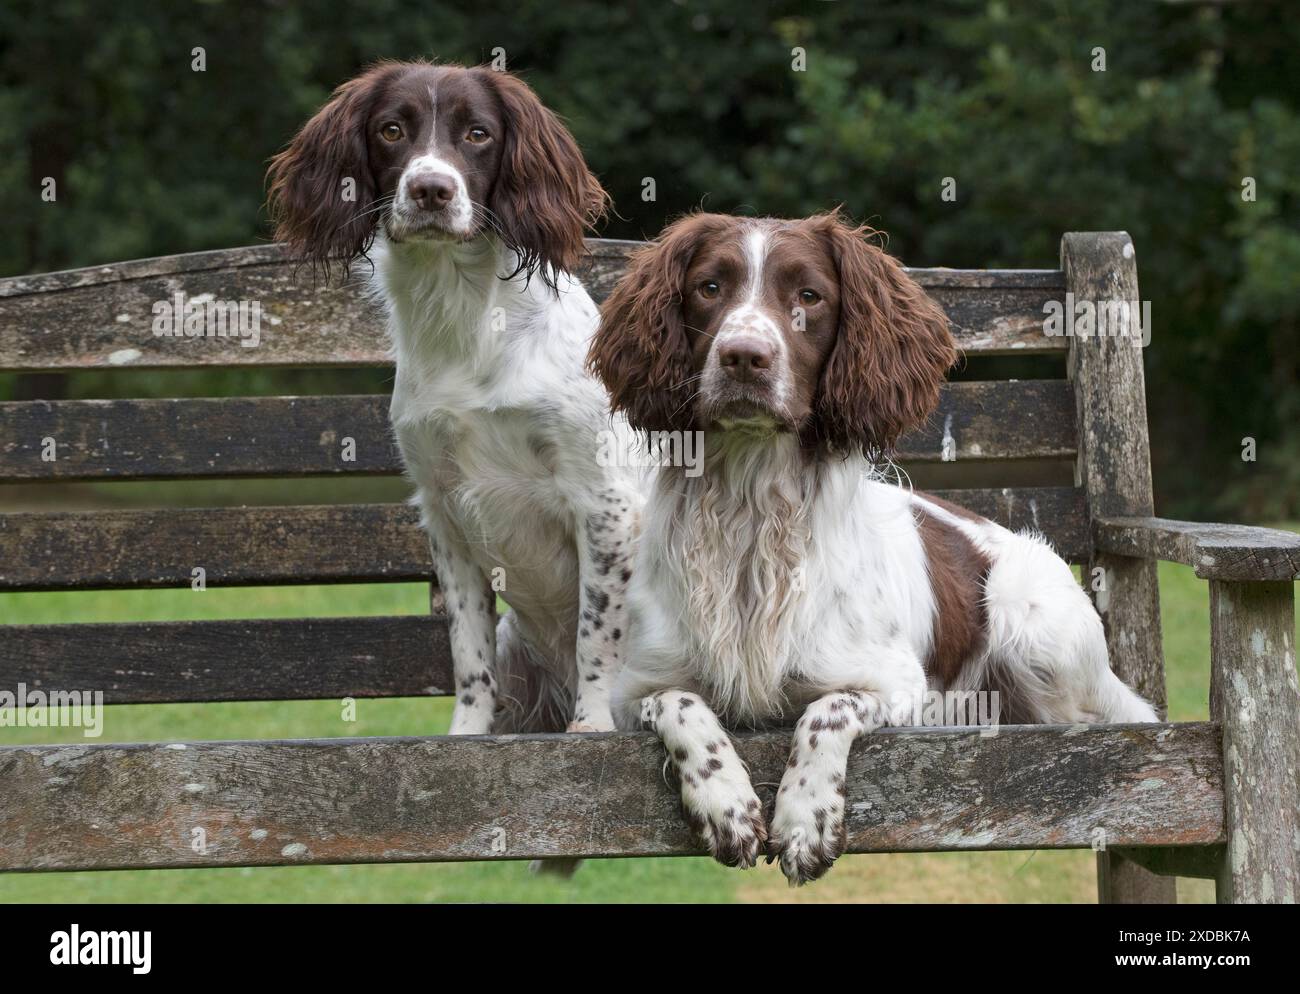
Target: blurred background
(1198, 103)
(152, 158)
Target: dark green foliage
(152, 158)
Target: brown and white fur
(789, 583)
(472, 198)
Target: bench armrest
(1215, 551)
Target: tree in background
(709, 101)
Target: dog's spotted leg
(605, 541)
(808, 823)
(719, 803)
(471, 629)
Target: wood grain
(1215, 551)
(265, 660)
(1114, 467)
(333, 543)
(197, 438)
(235, 546)
(338, 435)
(103, 317)
(1254, 693)
(89, 806)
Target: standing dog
(476, 198)
(788, 583)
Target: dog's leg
(717, 798)
(1060, 673)
(1049, 644)
(471, 613)
(605, 540)
(807, 832)
(472, 621)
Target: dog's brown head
(435, 152)
(803, 326)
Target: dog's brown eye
(477, 136)
(709, 289)
(809, 297)
(391, 132)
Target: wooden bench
(1063, 450)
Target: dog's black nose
(432, 191)
(745, 358)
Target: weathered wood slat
(1215, 551)
(205, 437)
(1114, 466)
(996, 320)
(319, 436)
(1255, 693)
(338, 543)
(264, 660)
(343, 543)
(1114, 462)
(103, 317)
(521, 797)
(1059, 513)
(988, 419)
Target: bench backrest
(988, 439)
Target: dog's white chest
(493, 472)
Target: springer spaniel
(789, 582)
(469, 188)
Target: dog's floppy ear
(545, 196)
(891, 352)
(321, 186)
(641, 351)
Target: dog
(791, 581)
(471, 199)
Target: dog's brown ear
(641, 351)
(545, 197)
(891, 353)
(321, 188)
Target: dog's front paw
(592, 717)
(808, 832)
(724, 812)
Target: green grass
(1042, 876)
(615, 881)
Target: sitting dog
(788, 582)
(476, 198)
